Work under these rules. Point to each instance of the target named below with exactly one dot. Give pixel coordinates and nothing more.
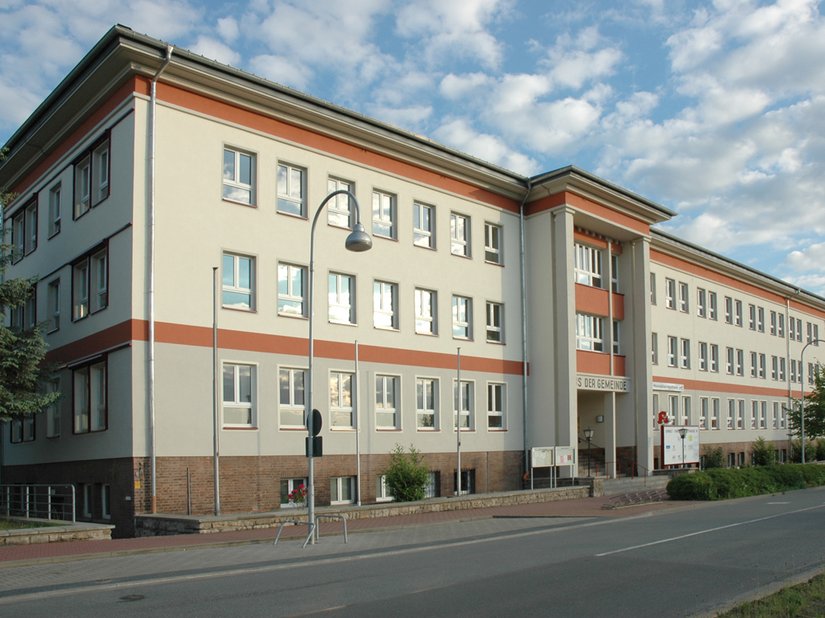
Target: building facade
(165, 204)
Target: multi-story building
(165, 204)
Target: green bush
(724, 483)
(406, 475)
(714, 457)
(763, 453)
(820, 450)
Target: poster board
(672, 445)
(541, 457)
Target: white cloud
(228, 29)
(215, 50)
(282, 70)
(457, 87)
(458, 134)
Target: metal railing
(39, 501)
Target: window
(292, 290)
(30, 238)
(672, 351)
(614, 273)
(106, 501)
(731, 419)
(589, 332)
(712, 305)
(426, 403)
(751, 316)
(755, 364)
(385, 305)
(496, 404)
(425, 312)
(291, 397)
(670, 293)
(495, 322)
(287, 486)
(703, 356)
(772, 323)
(792, 328)
(382, 490)
(383, 214)
(782, 367)
(462, 317)
(90, 284)
(53, 305)
(238, 395)
(588, 265)
(24, 317)
(730, 352)
(340, 399)
(53, 411)
(684, 360)
(341, 298)
(760, 319)
(762, 365)
(87, 499)
(339, 212)
(701, 302)
(737, 313)
(780, 325)
(728, 310)
(684, 292)
(238, 176)
(423, 225)
(291, 197)
(774, 367)
(54, 210)
(238, 281)
(22, 429)
(387, 415)
(91, 178)
(652, 288)
(18, 236)
(459, 235)
(342, 490)
(715, 407)
(654, 348)
(433, 488)
(492, 243)
(463, 400)
(686, 409)
(90, 410)
(617, 338)
(740, 362)
(703, 412)
(714, 357)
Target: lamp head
(588, 433)
(682, 433)
(358, 240)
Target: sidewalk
(15, 555)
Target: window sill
(239, 203)
(238, 428)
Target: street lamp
(358, 240)
(802, 392)
(682, 434)
(588, 435)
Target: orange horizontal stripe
(724, 387)
(578, 202)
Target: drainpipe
(523, 284)
(151, 259)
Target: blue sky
(713, 109)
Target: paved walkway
(16, 555)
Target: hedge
(724, 483)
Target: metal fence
(39, 501)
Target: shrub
(820, 450)
(406, 475)
(763, 453)
(714, 457)
(723, 483)
(697, 486)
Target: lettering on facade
(602, 383)
(668, 386)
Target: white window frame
(230, 281)
(385, 305)
(701, 302)
(382, 489)
(387, 402)
(291, 190)
(426, 311)
(684, 355)
(672, 351)
(684, 297)
(53, 305)
(384, 214)
(423, 225)
(589, 332)
(495, 322)
(292, 285)
(712, 306)
(493, 237)
(292, 382)
(460, 236)
(462, 312)
(341, 411)
(55, 194)
(90, 397)
(426, 403)
(236, 187)
(496, 406)
(339, 485)
(90, 283)
(670, 293)
(467, 404)
(653, 289)
(232, 402)
(287, 486)
(588, 266)
(714, 357)
(339, 209)
(703, 356)
(341, 302)
(654, 348)
(53, 412)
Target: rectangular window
(614, 273)
(292, 290)
(86, 499)
(760, 319)
(30, 238)
(731, 419)
(792, 328)
(714, 357)
(754, 364)
(459, 235)
(728, 310)
(238, 395)
(383, 214)
(701, 302)
(90, 410)
(684, 360)
(751, 316)
(426, 403)
(340, 400)
(238, 176)
(382, 490)
(712, 305)
(588, 266)
(53, 306)
(780, 325)
(772, 323)
(496, 405)
(100, 280)
(716, 412)
(684, 292)
(287, 486)
(106, 501)
(653, 288)
(80, 289)
(672, 351)
(341, 298)
(100, 173)
(425, 312)
(617, 337)
(54, 210)
(291, 190)
(782, 367)
(90, 284)
(385, 305)
(342, 490)
(703, 356)
(737, 312)
(24, 317)
(22, 429)
(387, 414)
(238, 281)
(18, 236)
(339, 209)
(492, 243)
(91, 177)
(423, 225)
(462, 317)
(670, 293)
(291, 397)
(495, 322)
(730, 353)
(589, 332)
(686, 409)
(740, 362)
(463, 401)
(774, 367)
(762, 365)
(82, 180)
(703, 412)
(654, 348)
(53, 411)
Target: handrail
(313, 527)
(38, 500)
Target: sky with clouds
(714, 109)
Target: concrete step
(635, 498)
(614, 487)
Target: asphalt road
(682, 562)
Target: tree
(763, 452)
(22, 351)
(406, 475)
(814, 410)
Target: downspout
(523, 284)
(151, 291)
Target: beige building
(165, 203)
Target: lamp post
(588, 435)
(802, 392)
(358, 240)
(682, 434)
